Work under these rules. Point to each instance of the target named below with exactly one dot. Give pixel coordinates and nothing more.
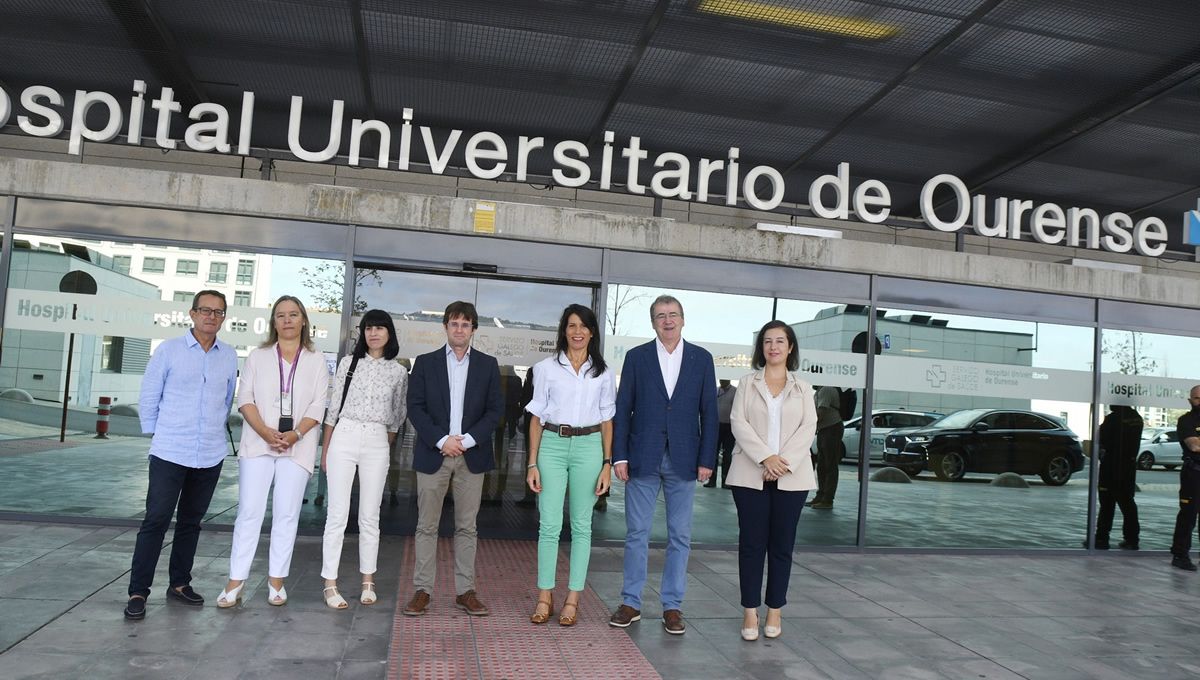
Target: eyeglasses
(209, 311)
(663, 316)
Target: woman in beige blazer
(774, 421)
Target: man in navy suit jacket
(455, 404)
(664, 437)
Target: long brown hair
(305, 335)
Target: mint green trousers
(569, 467)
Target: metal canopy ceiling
(1090, 103)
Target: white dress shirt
(456, 373)
(669, 363)
(563, 397)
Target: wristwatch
(299, 435)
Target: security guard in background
(1189, 483)
(1120, 438)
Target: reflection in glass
(1153, 373)
(828, 336)
(110, 340)
(1017, 397)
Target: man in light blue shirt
(186, 396)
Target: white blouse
(377, 392)
(775, 422)
(260, 386)
(563, 397)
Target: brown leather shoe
(418, 605)
(543, 610)
(470, 604)
(564, 619)
(673, 622)
(624, 616)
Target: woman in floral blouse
(361, 428)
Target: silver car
(1161, 449)
(882, 422)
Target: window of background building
(121, 263)
(241, 298)
(989, 376)
(245, 272)
(154, 265)
(111, 353)
(187, 267)
(217, 272)
(183, 296)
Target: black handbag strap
(346, 387)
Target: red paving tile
(447, 644)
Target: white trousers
(255, 477)
(364, 447)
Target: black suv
(988, 440)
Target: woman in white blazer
(285, 383)
(774, 421)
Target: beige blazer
(798, 426)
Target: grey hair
(665, 300)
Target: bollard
(102, 412)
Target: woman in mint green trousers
(570, 452)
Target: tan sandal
(538, 615)
(563, 619)
(368, 593)
(334, 599)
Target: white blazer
(798, 427)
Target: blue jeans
(171, 487)
(641, 496)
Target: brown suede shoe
(673, 622)
(470, 604)
(624, 616)
(418, 605)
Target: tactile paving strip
(446, 644)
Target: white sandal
(334, 599)
(276, 598)
(230, 598)
(368, 593)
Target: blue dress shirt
(185, 400)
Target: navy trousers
(172, 486)
(767, 522)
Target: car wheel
(1145, 460)
(912, 471)
(1169, 467)
(1057, 471)
(949, 466)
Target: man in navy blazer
(454, 404)
(664, 437)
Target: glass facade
(972, 412)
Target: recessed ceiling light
(822, 22)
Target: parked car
(882, 422)
(1161, 449)
(989, 440)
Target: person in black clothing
(1189, 483)
(1120, 437)
(725, 441)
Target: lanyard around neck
(286, 387)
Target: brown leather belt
(568, 431)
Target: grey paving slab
(849, 616)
